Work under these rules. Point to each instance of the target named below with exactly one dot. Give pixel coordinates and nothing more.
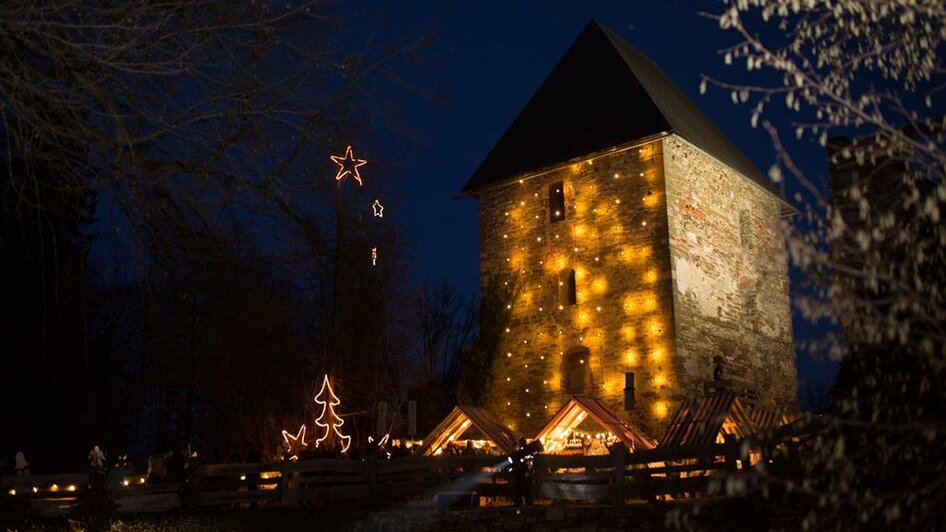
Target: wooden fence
(615, 478)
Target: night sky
(485, 62)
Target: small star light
(294, 442)
(348, 165)
(378, 208)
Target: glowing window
(556, 202)
(566, 288)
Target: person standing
(20, 464)
(97, 469)
(522, 476)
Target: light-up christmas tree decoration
(294, 442)
(348, 165)
(328, 420)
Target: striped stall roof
(579, 407)
(768, 417)
(702, 421)
(462, 418)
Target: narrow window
(576, 371)
(566, 288)
(556, 202)
(745, 229)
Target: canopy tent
(578, 409)
(706, 420)
(461, 419)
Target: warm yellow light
(599, 285)
(580, 230)
(661, 409)
(660, 379)
(631, 357)
(35, 489)
(70, 487)
(650, 199)
(655, 327)
(650, 304)
(125, 482)
(12, 492)
(657, 354)
(630, 333)
(650, 276)
(242, 477)
(54, 487)
(580, 273)
(635, 254)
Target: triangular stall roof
(578, 408)
(604, 93)
(461, 419)
(766, 417)
(703, 421)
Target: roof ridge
(602, 93)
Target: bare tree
(446, 324)
(207, 125)
(870, 249)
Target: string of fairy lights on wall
(585, 246)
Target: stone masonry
(676, 257)
(730, 277)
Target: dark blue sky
(486, 60)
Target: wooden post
(619, 459)
(284, 481)
(732, 452)
(371, 472)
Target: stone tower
(640, 240)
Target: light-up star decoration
(328, 420)
(378, 208)
(348, 165)
(294, 443)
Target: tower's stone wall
(677, 259)
(614, 236)
(730, 276)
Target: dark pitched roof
(603, 93)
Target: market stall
(585, 425)
(469, 427)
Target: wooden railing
(609, 478)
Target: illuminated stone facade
(676, 259)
